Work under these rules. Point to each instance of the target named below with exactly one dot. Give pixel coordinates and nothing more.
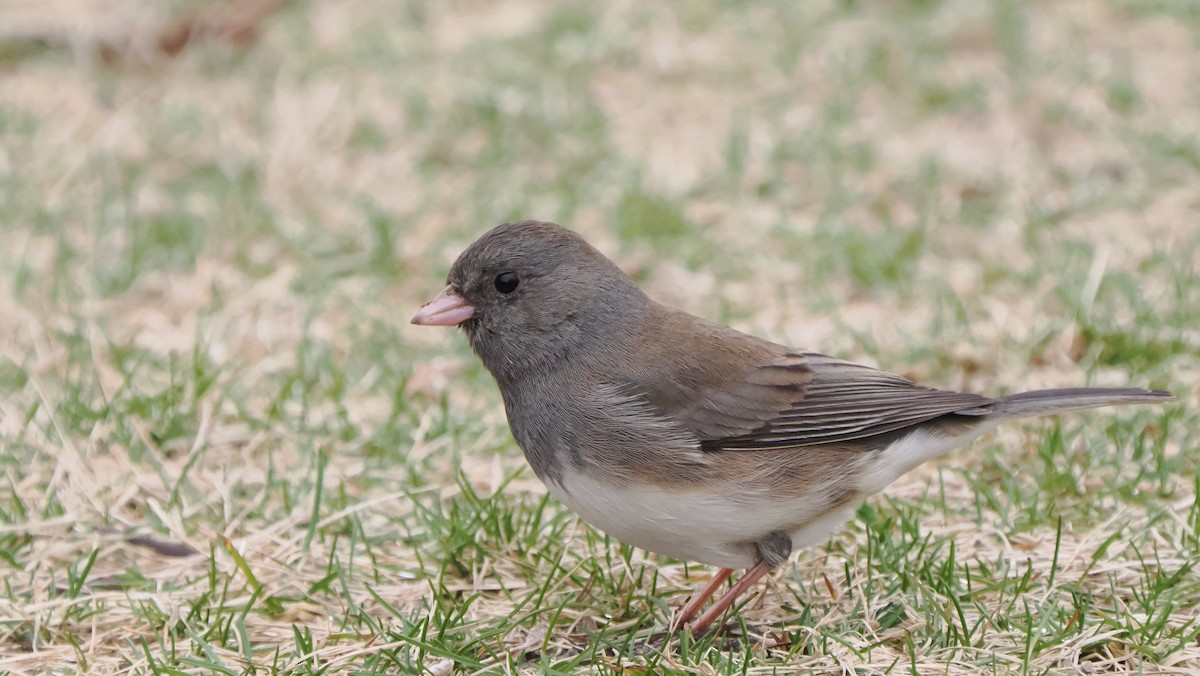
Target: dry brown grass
(209, 260)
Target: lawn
(223, 449)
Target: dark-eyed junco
(685, 437)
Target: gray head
(531, 293)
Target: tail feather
(1050, 402)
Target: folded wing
(827, 401)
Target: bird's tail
(1050, 402)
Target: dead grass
(209, 261)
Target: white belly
(719, 527)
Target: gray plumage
(686, 437)
(1065, 400)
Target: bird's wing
(732, 391)
(807, 399)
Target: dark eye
(506, 282)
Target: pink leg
(703, 594)
(718, 609)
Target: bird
(688, 438)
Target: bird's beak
(448, 309)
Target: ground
(226, 451)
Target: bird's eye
(506, 282)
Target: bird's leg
(773, 549)
(703, 594)
(722, 604)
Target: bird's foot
(714, 613)
(701, 596)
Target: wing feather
(834, 401)
(732, 391)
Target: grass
(225, 451)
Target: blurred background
(217, 217)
